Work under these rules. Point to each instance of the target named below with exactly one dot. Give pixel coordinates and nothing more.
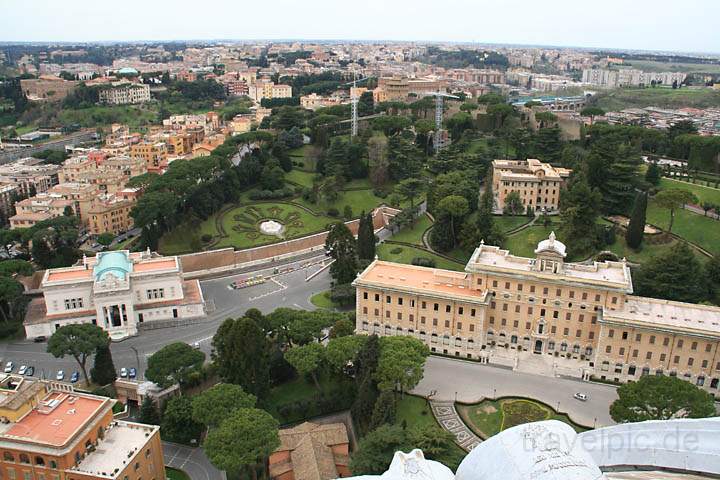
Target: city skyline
(689, 30)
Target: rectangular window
(530, 310)
(517, 308)
(676, 359)
(423, 305)
(638, 337)
(680, 344)
(578, 333)
(545, 291)
(399, 315)
(691, 361)
(400, 301)
(693, 346)
(494, 283)
(377, 297)
(568, 315)
(447, 323)
(472, 312)
(532, 288)
(492, 320)
(365, 295)
(436, 307)
(472, 327)
(459, 325)
(434, 322)
(515, 323)
(622, 351)
(388, 299)
(608, 349)
(505, 305)
(652, 339)
(624, 335)
(527, 326)
(666, 341)
(447, 309)
(365, 310)
(635, 353)
(566, 331)
(553, 329)
(558, 292)
(519, 287)
(708, 347)
(507, 285)
(591, 335)
(387, 313)
(648, 356)
(460, 310)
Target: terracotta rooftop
(191, 295)
(153, 265)
(57, 419)
(419, 279)
(311, 453)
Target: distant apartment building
(125, 93)
(236, 88)
(109, 213)
(49, 431)
(395, 88)
(106, 174)
(472, 75)
(315, 101)
(268, 89)
(154, 153)
(43, 206)
(23, 178)
(241, 124)
(630, 77)
(116, 291)
(537, 183)
(47, 88)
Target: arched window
(8, 457)
(576, 348)
(588, 351)
(645, 371)
(24, 458)
(39, 460)
(77, 457)
(563, 347)
(513, 339)
(700, 381)
(53, 464)
(551, 345)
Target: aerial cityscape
(394, 241)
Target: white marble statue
(551, 450)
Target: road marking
(282, 287)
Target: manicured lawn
(406, 254)
(358, 200)
(304, 179)
(175, 474)
(322, 300)
(302, 154)
(524, 242)
(511, 222)
(413, 234)
(621, 98)
(695, 228)
(416, 411)
(490, 417)
(703, 193)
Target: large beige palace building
(582, 316)
(537, 183)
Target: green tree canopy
(675, 274)
(79, 341)
(243, 440)
(177, 424)
(401, 363)
(218, 402)
(661, 398)
(306, 359)
(103, 371)
(169, 364)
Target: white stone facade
(116, 291)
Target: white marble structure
(116, 291)
(551, 450)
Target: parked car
(60, 375)
(30, 371)
(132, 373)
(123, 372)
(23, 369)
(9, 367)
(196, 345)
(40, 339)
(74, 377)
(580, 396)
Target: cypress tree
(103, 371)
(636, 227)
(366, 237)
(149, 413)
(384, 410)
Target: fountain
(272, 227)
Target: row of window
(153, 293)
(663, 357)
(73, 303)
(546, 291)
(633, 371)
(666, 341)
(423, 304)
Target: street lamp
(558, 408)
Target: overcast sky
(687, 25)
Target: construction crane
(438, 116)
(354, 99)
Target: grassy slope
(413, 235)
(704, 194)
(622, 98)
(695, 228)
(406, 255)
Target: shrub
(424, 262)
(381, 192)
(333, 212)
(301, 164)
(343, 294)
(206, 237)
(396, 250)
